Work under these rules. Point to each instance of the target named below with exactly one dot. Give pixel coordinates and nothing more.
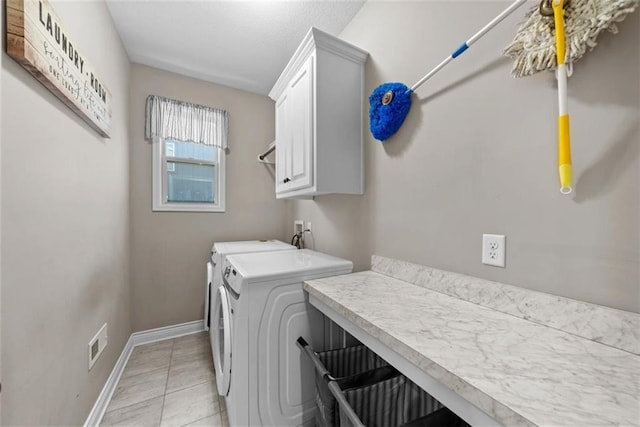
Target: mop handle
(564, 139)
(464, 46)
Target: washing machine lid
(304, 264)
(248, 246)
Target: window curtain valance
(183, 121)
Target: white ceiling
(242, 44)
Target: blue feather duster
(389, 105)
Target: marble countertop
(517, 371)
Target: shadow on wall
(270, 168)
(616, 56)
(401, 141)
(491, 66)
(601, 176)
(24, 77)
(344, 221)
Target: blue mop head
(389, 105)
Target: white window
(188, 177)
(189, 144)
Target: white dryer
(219, 251)
(260, 311)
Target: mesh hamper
(344, 362)
(371, 393)
(350, 367)
(393, 402)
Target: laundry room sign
(37, 40)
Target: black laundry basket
(395, 402)
(350, 367)
(369, 392)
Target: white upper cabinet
(294, 133)
(319, 119)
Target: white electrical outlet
(308, 227)
(97, 345)
(493, 249)
(298, 226)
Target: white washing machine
(260, 311)
(219, 251)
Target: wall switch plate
(493, 249)
(298, 226)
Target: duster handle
(464, 46)
(564, 136)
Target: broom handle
(464, 46)
(564, 138)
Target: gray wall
(477, 154)
(65, 224)
(170, 249)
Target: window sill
(187, 207)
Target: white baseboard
(137, 338)
(173, 331)
(100, 407)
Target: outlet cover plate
(494, 249)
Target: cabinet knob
(286, 180)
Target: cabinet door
(300, 154)
(283, 142)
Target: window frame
(159, 182)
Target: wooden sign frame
(38, 42)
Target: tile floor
(168, 383)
